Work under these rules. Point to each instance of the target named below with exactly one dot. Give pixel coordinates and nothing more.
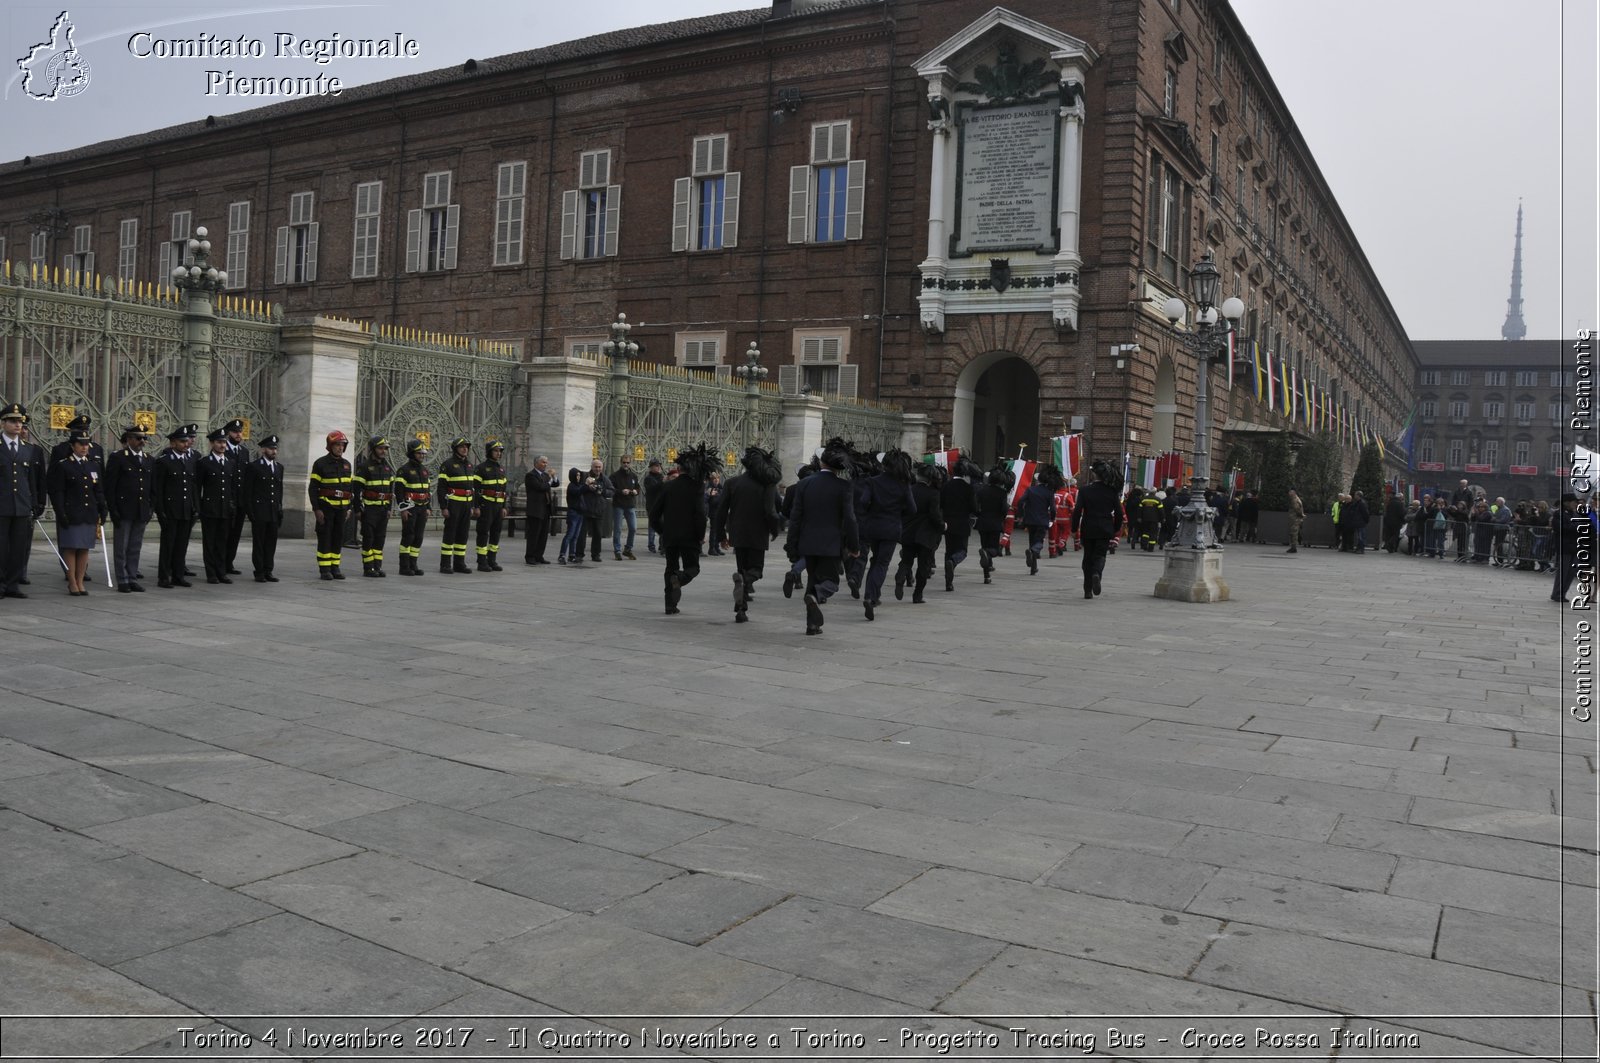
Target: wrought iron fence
(671, 407)
(870, 427)
(436, 391)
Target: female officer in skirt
(80, 505)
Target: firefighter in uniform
(492, 499)
(330, 489)
(1151, 509)
(458, 494)
(373, 484)
(239, 454)
(176, 501)
(414, 492)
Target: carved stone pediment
(1177, 45)
(1219, 110)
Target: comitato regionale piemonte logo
(54, 69)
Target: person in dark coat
(127, 490)
(679, 514)
(882, 508)
(79, 425)
(538, 505)
(596, 508)
(921, 534)
(959, 502)
(1394, 521)
(1249, 518)
(175, 500)
(572, 541)
(79, 502)
(625, 488)
(1573, 532)
(713, 498)
(652, 484)
(1097, 518)
(1360, 517)
(262, 502)
(213, 476)
(22, 498)
(1036, 510)
(793, 578)
(239, 456)
(991, 522)
(748, 515)
(822, 529)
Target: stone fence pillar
(914, 434)
(316, 393)
(799, 431)
(561, 412)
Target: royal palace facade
(969, 211)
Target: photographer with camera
(596, 502)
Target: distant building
(968, 210)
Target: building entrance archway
(997, 408)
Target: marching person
(960, 504)
(822, 529)
(239, 457)
(991, 521)
(175, 500)
(748, 515)
(791, 578)
(262, 501)
(490, 477)
(22, 498)
(213, 477)
(679, 514)
(413, 487)
(1036, 511)
(372, 483)
(330, 487)
(538, 507)
(127, 491)
(921, 535)
(625, 489)
(458, 494)
(1097, 518)
(882, 507)
(80, 505)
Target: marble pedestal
(1190, 575)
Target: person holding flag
(1037, 511)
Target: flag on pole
(1023, 470)
(1271, 382)
(1067, 453)
(1288, 388)
(1403, 439)
(945, 459)
(1258, 386)
(1231, 335)
(1147, 473)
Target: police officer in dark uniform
(822, 529)
(330, 487)
(491, 482)
(413, 488)
(262, 502)
(1098, 518)
(175, 500)
(239, 457)
(22, 498)
(127, 489)
(214, 477)
(458, 495)
(960, 505)
(79, 425)
(374, 491)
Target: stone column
(1064, 297)
(561, 410)
(931, 298)
(800, 431)
(618, 441)
(316, 393)
(199, 317)
(914, 434)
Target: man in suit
(822, 529)
(22, 498)
(1097, 518)
(127, 489)
(922, 533)
(175, 500)
(749, 519)
(262, 502)
(214, 479)
(679, 515)
(238, 457)
(538, 506)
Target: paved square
(1350, 798)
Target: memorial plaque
(1008, 170)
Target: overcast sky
(1429, 119)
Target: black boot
(483, 564)
(916, 593)
(674, 594)
(949, 574)
(444, 565)
(741, 599)
(901, 577)
(461, 566)
(790, 582)
(1088, 586)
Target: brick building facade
(808, 177)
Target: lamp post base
(1191, 575)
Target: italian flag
(1023, 470)
(945, 459)
(1067, 453)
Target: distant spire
(1514, 329)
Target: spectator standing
(596, 502)
(1573, 531)
(538, 506)
(1297, 517)
(625, 488)
(572, 541)
(653, 483)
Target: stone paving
(1349, 800)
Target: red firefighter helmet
(337, 436)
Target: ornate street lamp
(752, 372)
(200, 278)
(620, 350)
(1193, 569)
(198, 282)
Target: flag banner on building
(945, 459)
(1161, 471)
(1403, 439)
(1145, 474)
(1308, 402)
(1023, 471)
(1269, 381)
(1257, 378)
(1236, 481)
(1232, 335)
(1067, 453)
(1383, 454)
(1284, 384)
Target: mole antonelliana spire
(1514, 329)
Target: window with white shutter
(827, 198)
(127, 248)
(585, 347)
(705, 205)
(80, 259)
(822, 362)
(237, 262)
(591, 213)
(296, 259)
(175, 249)
(511, 180)
(38, 248)
(433, 231)
(701, 350)
(368, 230)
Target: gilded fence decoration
(669, 406)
